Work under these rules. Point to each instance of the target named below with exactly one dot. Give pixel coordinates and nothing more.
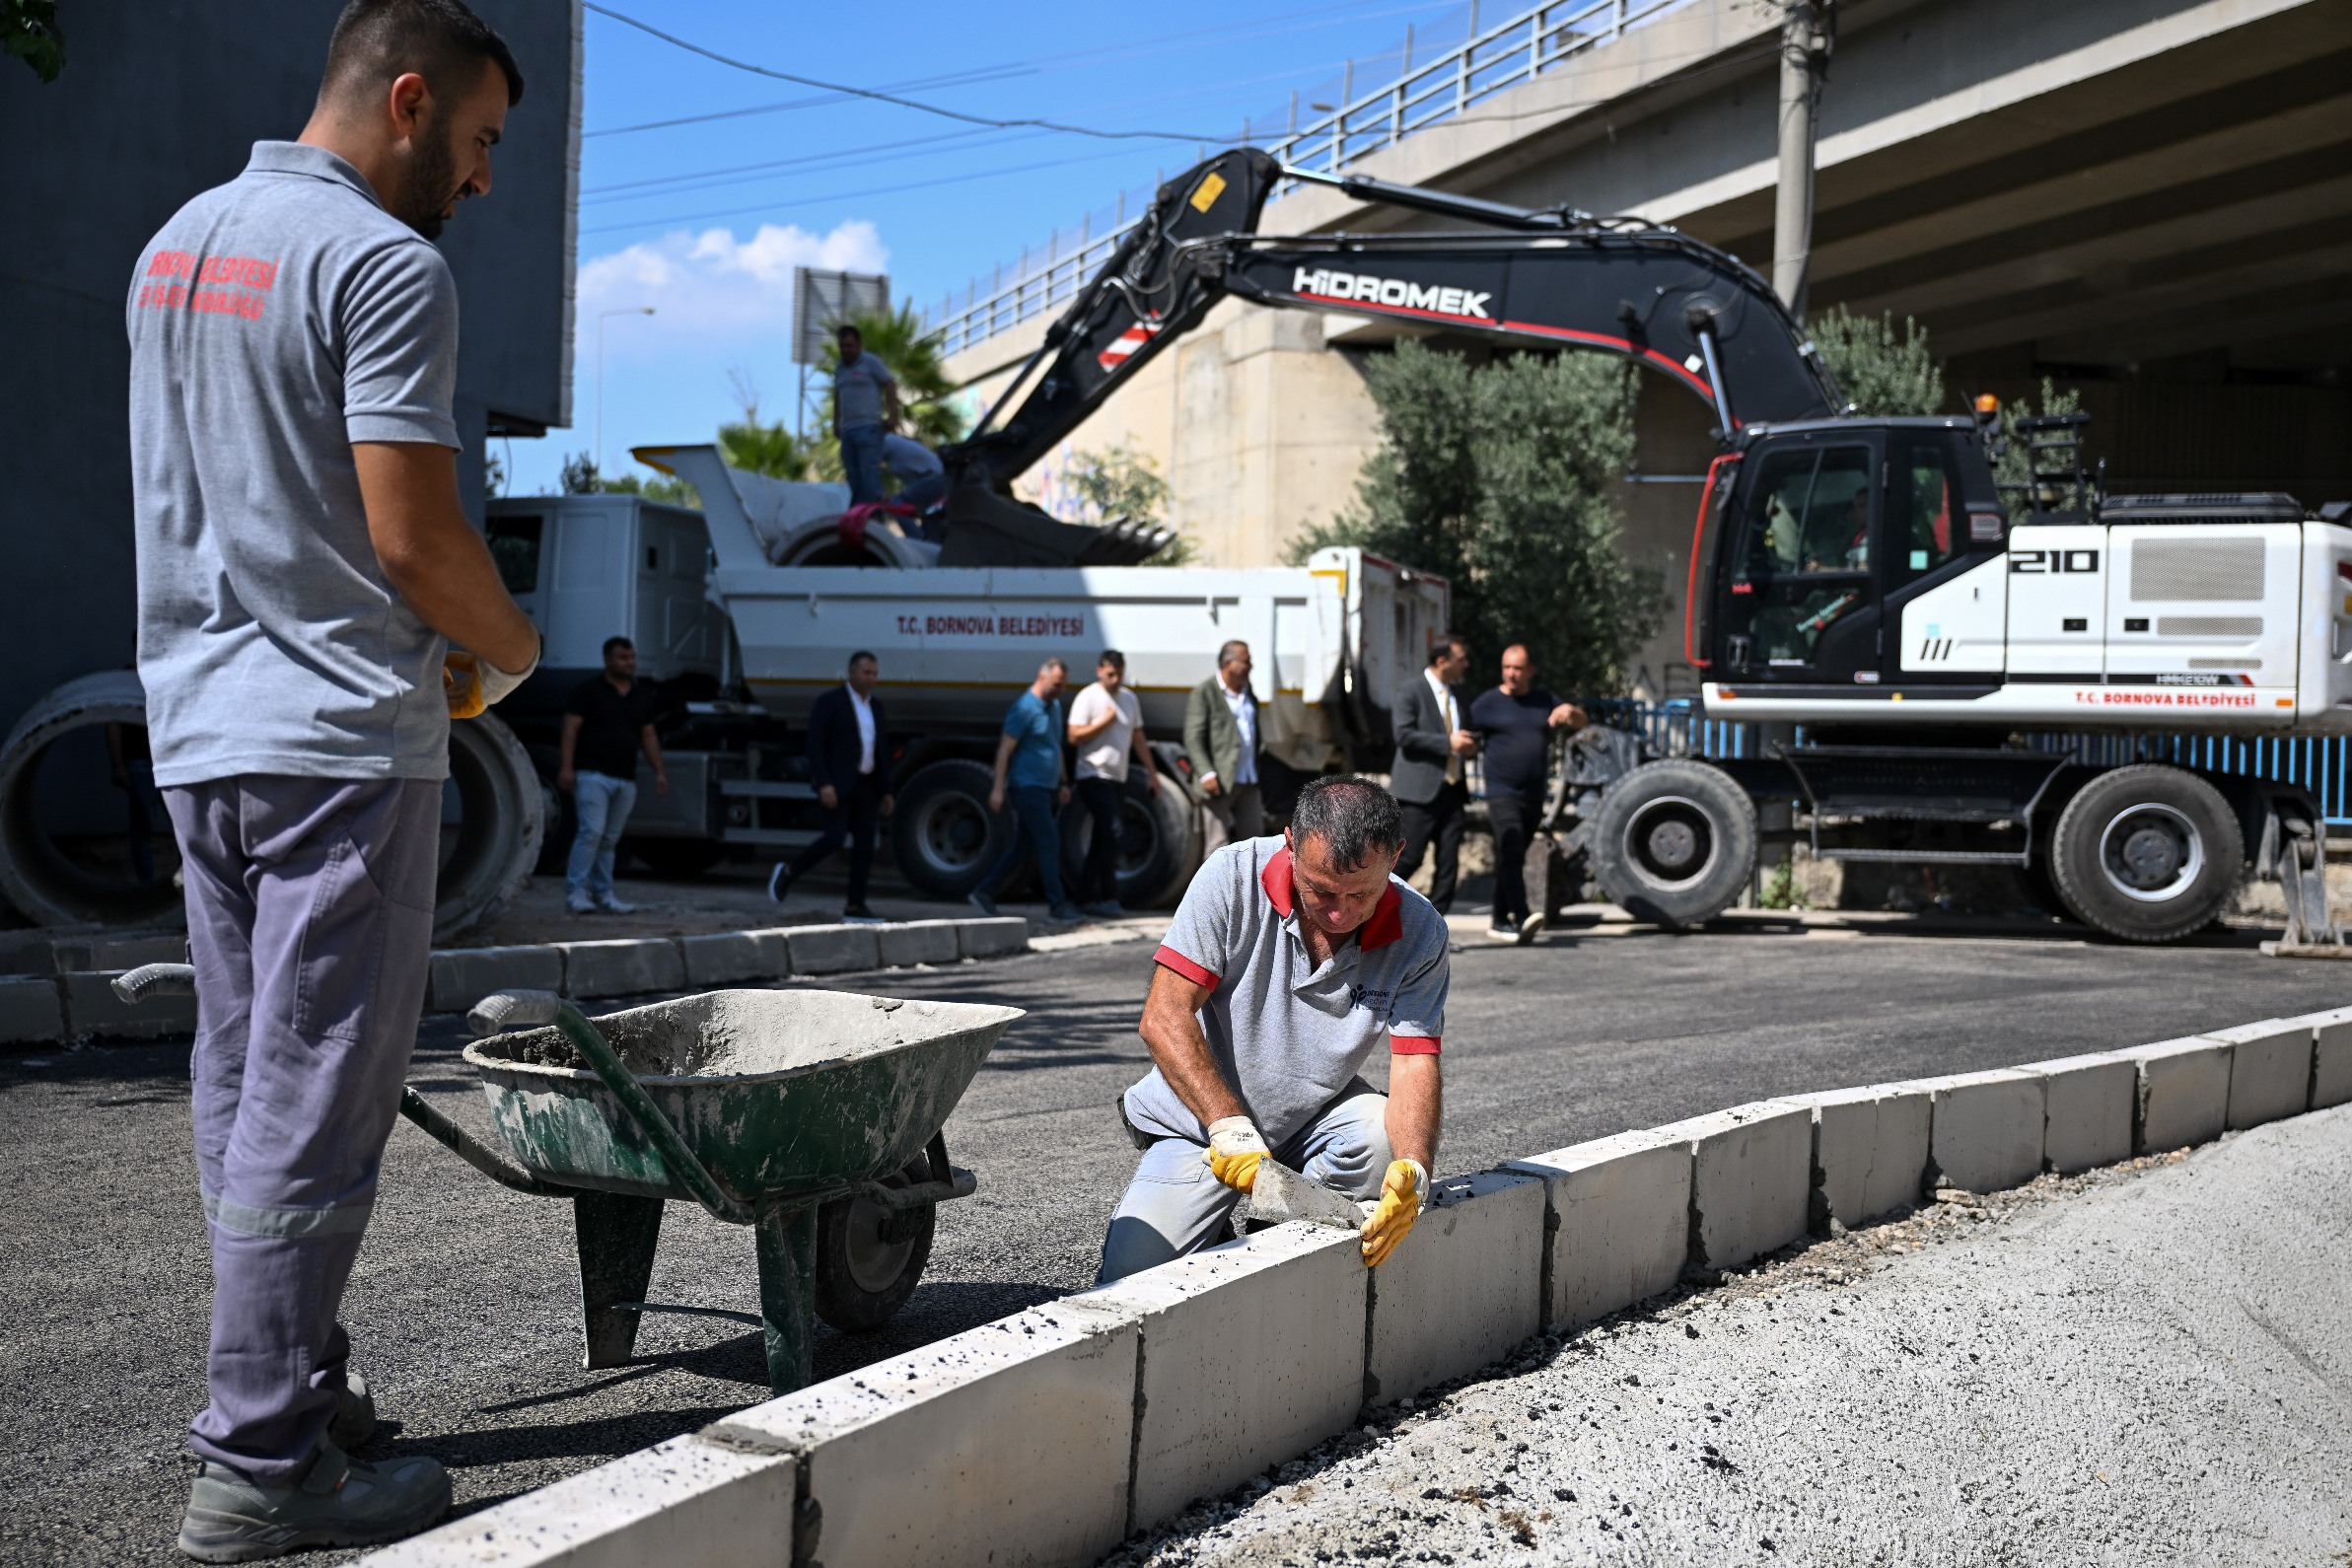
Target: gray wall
(160, 99)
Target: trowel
(1280, 1194)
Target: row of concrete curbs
(73, 998)
(1051, 1436)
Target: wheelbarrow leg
(787, 1240)
(617, 1235)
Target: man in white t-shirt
(1107, 728)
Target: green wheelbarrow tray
(774, 1093)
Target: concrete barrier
(1750, 1179)
(459, 978)
(728, 958)
(1618, 1225)
(1870, 1151)
(2331, 1056)
(2270, 1071)
(1986, 1131)
(1006, 1444)
(1460, 1291)
(1252, 1352)
(93, 1010)
(2087, 1106)
(993, 936)
(623, 966)
(2184, 1092)
(920, 942)
(32, 1009)
(833, 950)
(687, 1502)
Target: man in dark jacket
(849, 763)
(1432, 743)
(1514, 723)
(1221, 741)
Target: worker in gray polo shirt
(1289, 961)
(303, 563)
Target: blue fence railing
(2318, 763)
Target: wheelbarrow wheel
(869, 1260)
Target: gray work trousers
(1175, 1206)
(309, 912)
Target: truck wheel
(493, 820)
(942, 831)
(73, 847)
(1159, 842)
(869, 1260)
(2148, 853)
(1674, 842)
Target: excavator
(1969, 662)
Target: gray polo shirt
(1288, 1035)
(857, 389)
(273, 321)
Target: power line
(846, 158)
(994, 73)
(891, 97)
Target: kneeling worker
(1287, 962)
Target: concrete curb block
(32, 1010)
(623, 966)
(833, 950)
(462, 977)
(725, 958)
(993, 936)
(921, 942)
(1051, 1436)
(687, 1502)
(93, 1009)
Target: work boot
(355, 1414)
(337, 1501)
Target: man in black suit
(1432, 744)
(849, 763)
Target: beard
(428, 184)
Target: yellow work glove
(1403, 1192)
(1235, 1149)
(472, 685)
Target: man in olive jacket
(1221, 740)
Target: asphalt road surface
(462, 1307)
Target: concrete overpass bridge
(2148, 199)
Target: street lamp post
(635, 310)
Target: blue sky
(706, 221)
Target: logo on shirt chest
(1374, 999)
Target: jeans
(1441, 818)
(1515, 818)
(856, 818)
(1104, 800)
(861, 462)
(1174, 1206)
(603, 804)
(309, 915)
(1033, 806)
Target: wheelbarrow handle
(155, 979)
(512, 1009)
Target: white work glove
(474, 685)
(1235, 1149)
(1404, 1189)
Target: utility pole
(1808, 30)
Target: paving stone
(624, 967)
(459, 978)
(2331, 1056)
(1986, 1131)
(2184, 1092)
(687, 1502)
(1008, 1444)
(32, 1010)
(919, 942)
(1462, 1288)
(1869, 1149)
(726, 957)
(1750, 1179)
(1622, 1231)
(993, 936)
(1253, 1353)
(92, 1009)
(2087, 1102)
(833, 950)
(2270, 1069)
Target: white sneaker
(579, 907)
(612, 905)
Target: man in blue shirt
(865, 409)
(1029, 773)
(1513, 724)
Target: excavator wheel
(2148, 853)
(1674, 842)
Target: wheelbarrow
(812, 1116)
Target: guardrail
(1424, 92)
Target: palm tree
(773, 450)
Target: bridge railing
(1424, 90)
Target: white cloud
(714, 288)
